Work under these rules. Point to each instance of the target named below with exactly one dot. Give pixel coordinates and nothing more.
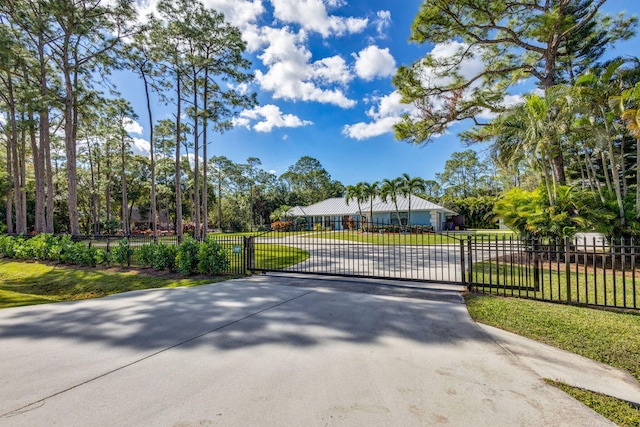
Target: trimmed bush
(60, 247)
(212, 257)
(145, 254)
(164, 257)
(122, 253)
(85, 256)
(187, 257)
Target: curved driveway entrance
(267, 351)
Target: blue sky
(323, 78)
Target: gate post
(536, 265)
(470, 260)
(567, 266)
(462, 266)
(249, 253)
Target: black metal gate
(603, 274)
(419, 256)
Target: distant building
(336, 214)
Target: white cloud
(372, 62)
(191, 158)
(131, 126)
(384, 115)
(443, 74)
(141, 146)
(268, 117)
(312, 15)
(382, 22)
(508, 101)
(331, 70)
(292, 76)
(364, 130)
(239, 13)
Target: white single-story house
(336, 213)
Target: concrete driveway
(268, 351)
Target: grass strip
(26, 283)
(609, 337)
(619, 411)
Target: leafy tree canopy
(484, 47)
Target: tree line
(570, 146)
(55, 53)
(564, 157)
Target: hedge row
(190, 257)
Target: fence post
(249, 250)
(567, 266)
(470, 259)
(536, 264)
(462, 266)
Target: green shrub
(212, 257)
(187, 256)
(6, 245)
(85, 256)
(21, 249)
(40, 245)
(60, 247)
(145, 254)
(318, 227)
(164, 257)
(122, 253)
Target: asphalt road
(268, 351)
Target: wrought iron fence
(233, 245)
(382, 251)
(599, 273)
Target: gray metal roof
(338, 206)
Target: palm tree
(391, 189)
(280, 214)
(411, 186)
(630, 115)
(357, 193)
(371, 191)
(534, 129)
(594, 90)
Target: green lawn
(275, 257)
(585, 287)
(605, 336)
(385, 238)
(23, 283)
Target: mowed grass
(620, 412)
(609, 337)
(275, 257)
(386, 238)
(605, 289)
(25, 283)
(29, 283)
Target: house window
(404, 216)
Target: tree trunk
(20, 224)
(205, 183)
(196, 171)
(178, 169)
(220, 202)
(70, 146)
(615, 173)
(23, 177)
(45, 139)
(154, 212)
(9, 204)
(38, 170)
(123, 183)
